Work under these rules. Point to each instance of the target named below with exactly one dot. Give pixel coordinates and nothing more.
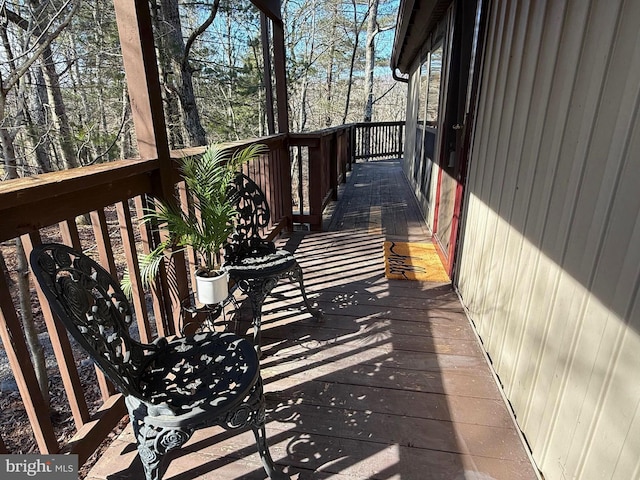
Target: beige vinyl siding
(550, 261)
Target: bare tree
(357, 29)
(16, 65)
(372, 31)
(178, 73)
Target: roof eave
(416, 20)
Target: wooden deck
(392, 385)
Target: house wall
(549, 265)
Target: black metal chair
(255, 265)
(171, 388)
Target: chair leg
(257, 291)
(151, 461)
(265, 456)
(153, 442)
(296, 275)
(252, 412)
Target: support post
(268, 81)
(143, 81)
(281, 76)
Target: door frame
(464, 66)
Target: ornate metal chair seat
(171, 388)
(195, 374)
(255, 265)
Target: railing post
(352, 145)
(316, 156)
(141, 68)
(140, 63)
(333, 164)
(343, 160)
(284, 171)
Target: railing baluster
(19, 358)
(69, 233)
(61, 348)
(103, 242)
(272, 180)
(131, 256)
(301, 196)
(105, 253)
(186, 205)
(157, 295)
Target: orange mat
(413, 261)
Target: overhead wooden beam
(271, 9)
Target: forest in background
(63, 96)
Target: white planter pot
(212, 289)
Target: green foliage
(207, 225)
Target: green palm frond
(206, 226)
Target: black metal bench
(171, 388)
(254, 264)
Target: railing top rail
(27, 204)
(271, 141)
(319, 133)
(25, 189)
(374, 124)
(330, 130)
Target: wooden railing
(112, 196)
(325, 157)
(378, 140)
(320, 161)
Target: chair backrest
(253, 217)
(92, 307)
(251, 204)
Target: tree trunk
(126, 148)
(332, 53)
(354, 52)
(102, 128)
(228, 90)
(372, 23)
(5, 271)
(169, 98)
(8, 152)
(17, 69)
(308, 59)
(37, 121)
(35, 347)
(60, 111)
(182, 80)
(30, 333)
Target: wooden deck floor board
(393, 384)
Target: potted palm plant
(206, 226)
